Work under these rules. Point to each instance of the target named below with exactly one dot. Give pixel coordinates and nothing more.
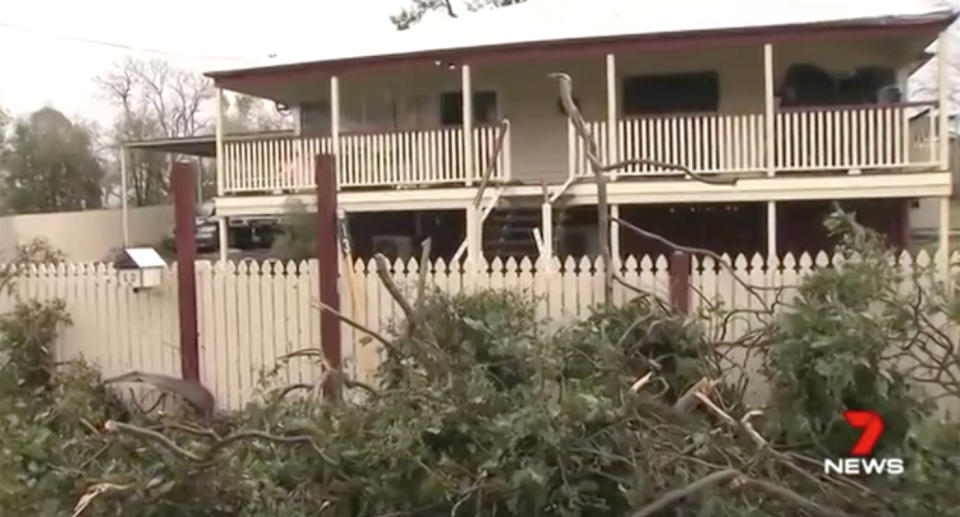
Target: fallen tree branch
(752, 289)
(424, 271)
(95, 491)
(362, 328)
(671, 497)
(590, 148)
(119, 427)
(286, 390)
(303, 352)
(193, 392)
(672, 166)
(741, 480)
(689, 399)
(113, 426)
(790, 496)
(491, 162)
(383, 272)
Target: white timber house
(804, 102)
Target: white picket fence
(251, 314)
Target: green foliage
(297, 238)
(37, 251)
(47, 444)
(484, 409)
(647, 335)
(866, 335)
(51, 166)
(45, 435)
(25, 338)
(843, 343)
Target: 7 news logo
(860, 463)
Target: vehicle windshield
(205, 209)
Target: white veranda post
(943, 239)
(123, 196)
(943, 109)
(474, 228)
(546, 222)
(334, 119)
(467, 99)
(943, 101)
(612, 155)
(612, 112)
(769, 114)
(222, 226)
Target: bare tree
(924, 84)
(245, 114)
(155, 100)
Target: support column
(222, 227)
(770, 148)
(612, 112)
(199, 165)
(772, 229)
(335, 118)
(467, 97)
(943, 104)
(223, 233)
(474, 238)
(546, 231)
(328, 257)
(123, 196)
(221, 187)
(769, 111)
(185, 231)
(943, 240)
(615, 235)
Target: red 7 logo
(872, 426)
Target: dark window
(676, 93)
(484, 108)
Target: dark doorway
(720, 227)
(800, 223)
(675, 93)
(484, 108)
(399, 234)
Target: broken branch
(362, 328)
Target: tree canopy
(155, 99)
(51, 165)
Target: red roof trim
(661, 41)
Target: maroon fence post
(680, 281)
(184, 213)
(327, 255)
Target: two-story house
(803, 102)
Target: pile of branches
(481, 409)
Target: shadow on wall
(87, 236)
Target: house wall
(396, 98)
(89, 235)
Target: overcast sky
(44, 64)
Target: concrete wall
(88, 235)
(399, 98)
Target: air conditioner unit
(393, 246)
